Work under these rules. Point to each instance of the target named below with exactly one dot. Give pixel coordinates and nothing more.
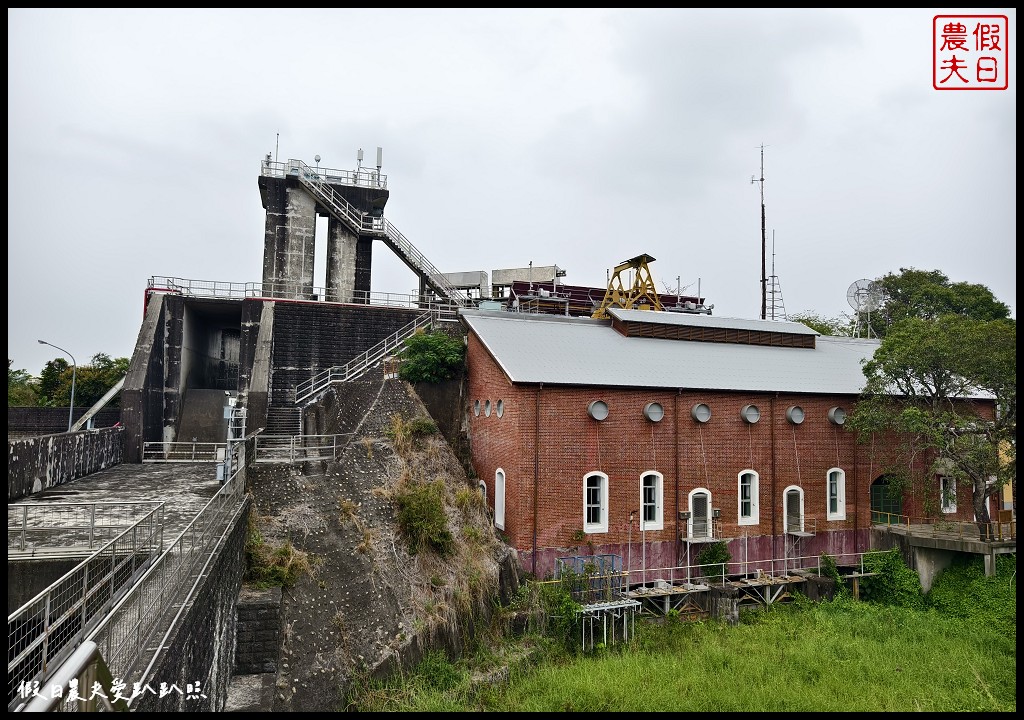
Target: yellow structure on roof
(638, 294)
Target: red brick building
(651, 434)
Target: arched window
(595, 503)
(499, 499)
(749, 513)
(651, 501)
(836, 494)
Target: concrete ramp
(202, 417)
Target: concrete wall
(34, 464)
(142, 394)
(33, 421)
(28, 578)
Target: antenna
(864, 296)
(764, 279)
(776, 290)
(359, 159)
(380, 155)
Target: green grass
(955, 652)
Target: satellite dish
(864, 296)
(317, 158)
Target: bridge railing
(47, 629)
(170, 452)
(996, 530)
(131, 627)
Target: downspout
(772, 427)
(856, 501)
(536, 471)
(675, 414)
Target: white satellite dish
(864, 296)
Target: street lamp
(74, 373)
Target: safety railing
(171, 452)
(431, 274)
(70, 529)
(361, 363)
(358, 178)
(298, 448)
(47, 629)
(291, 291)
(994, 531)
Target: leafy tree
(431, 357)
(21, 388)
(91, 381)
(929, 294)
(930, 382)
(841, 325)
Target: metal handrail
(357, 178)
(962, 529)
(299, 448)
(169, 452)
(360, 364)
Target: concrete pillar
(341, 262)
(364, 257)
(289, 242)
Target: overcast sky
(577, 138)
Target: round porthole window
(476, 408)
(837, 416)
(654, 411)
(598, 409)
(750, 413)
(700, 412)
(500, 408)
(795, 414)
(487, 408)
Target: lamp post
(74, 374)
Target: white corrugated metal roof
(700, 320)
(580, 351)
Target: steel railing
(996, 530)
(360, 364)
(69, 529)
(170, 452)
(357, 178)
(298, 448)
(291, 291)
(46, 630)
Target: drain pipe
(675, 413)
(772, 440)
(536, 471)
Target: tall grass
(954, 653)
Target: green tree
(929, 294)
(91, 381)
(823, 325)
(431, 357)
(931, 382)
(21, 388)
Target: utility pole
(764, 277)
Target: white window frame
(711, 514)
(602, 525)
(499, 499)
(658, 523)
(840, 511)
(755, 485)
(947, 501)
(785, 508)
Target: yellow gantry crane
(638, 294)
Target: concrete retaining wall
(34, 464)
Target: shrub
(895, 584)
(422, 519)
(431, 357)
(713, 559)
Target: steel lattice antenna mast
(764, 277)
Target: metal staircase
(362, 363)
(366, 224)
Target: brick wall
(258, 636)
(568, 444)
